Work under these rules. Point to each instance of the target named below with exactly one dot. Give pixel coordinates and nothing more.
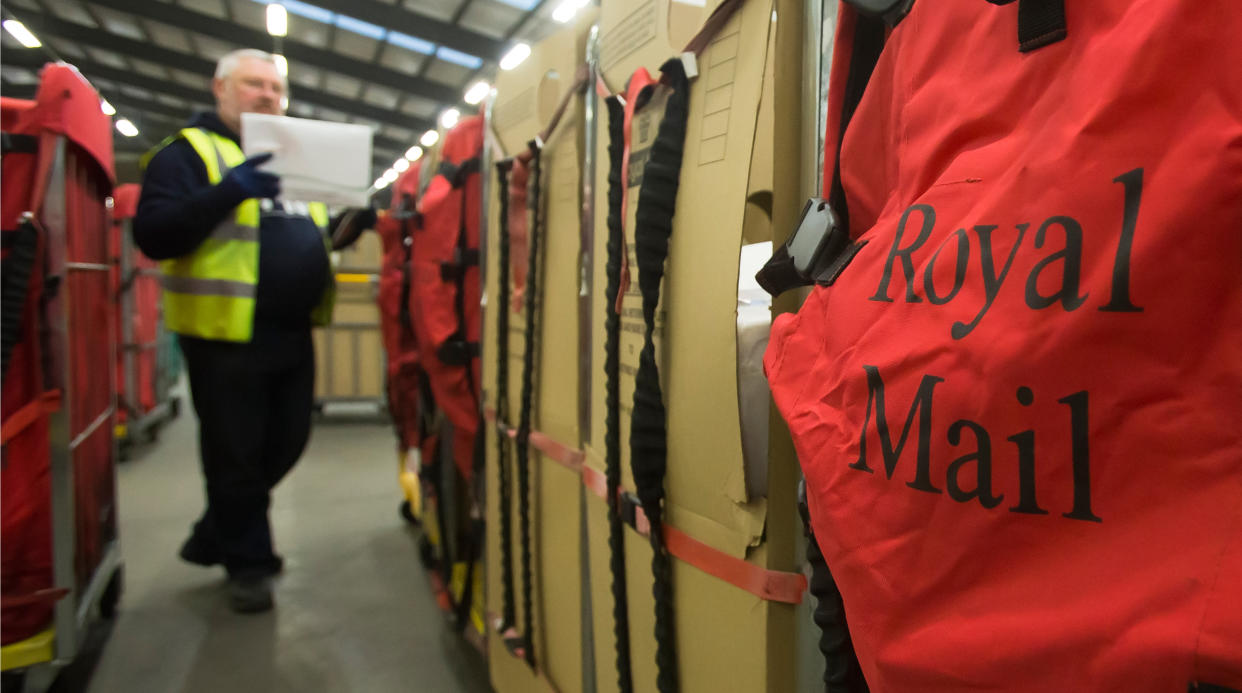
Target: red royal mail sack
(1019, 407)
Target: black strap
(13, 143)
(508, 615)
(842, 673)
(455, 269)
(869, 37)
(527, 397)
(612, 398)
(458, 174)
(15, 286)
(1040, 22)
(657, 200)
(456, 351)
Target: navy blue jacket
(179, 208)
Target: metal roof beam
(420, 26)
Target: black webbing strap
(869, 37)
(1040, 22)
(458, 174)
(842, 673)
(12, 143)
(657, 200)
(527, 398)
(508, 616)
(612, 397)
(455, 269)
(15, 286)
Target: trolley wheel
(407, 513)
(111, 596)
(426, 553)
(13, 681)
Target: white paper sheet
(316, 160)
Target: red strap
(772, 585)
(35, 409)
(638, 81)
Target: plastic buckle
(627, 507)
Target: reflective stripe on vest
(211, 292)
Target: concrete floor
(353, 609)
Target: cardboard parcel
(525, 100)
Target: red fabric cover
(25, 490)
(433, 301)
(66, 104)
(145, 290)
(404, 373)
(11, 110)
(1101, 386)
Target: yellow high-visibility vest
(210, 293)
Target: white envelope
(316, 160)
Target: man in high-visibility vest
(245, 277)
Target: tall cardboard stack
(526, 99)
(350, 352)
(736, 506)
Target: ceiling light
(477, 92)
(515, 56)
(401, 165)
(449, 118)
(380, 184)
(277, 20)
(414, 153)
(390, 175)
(126, 128)
(429, 138)
(106, 107)
(567, 9)
(21, 33)
(281, 63)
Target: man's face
(254, 86)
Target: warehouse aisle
(353, 609)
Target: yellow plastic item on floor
(29, 652)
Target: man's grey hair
(229, 62)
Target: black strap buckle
(457, 352)
(817, 252)
(627, 507)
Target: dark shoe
(250, 595)
(197, 551)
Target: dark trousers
(254, 405)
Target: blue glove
(247, 178)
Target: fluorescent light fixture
(477, 92)
(408, 42)
(21, 33)
(567, 9)
(106, 107)
(281, 63)
(449, 118)
(521, 4)
(126, 128)
(515, 56)
(390, 175)
(380, 184)
(401, 165)
(429, 138)
(277, 20)
(458, 58)
(360, 27)
(414, 153)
